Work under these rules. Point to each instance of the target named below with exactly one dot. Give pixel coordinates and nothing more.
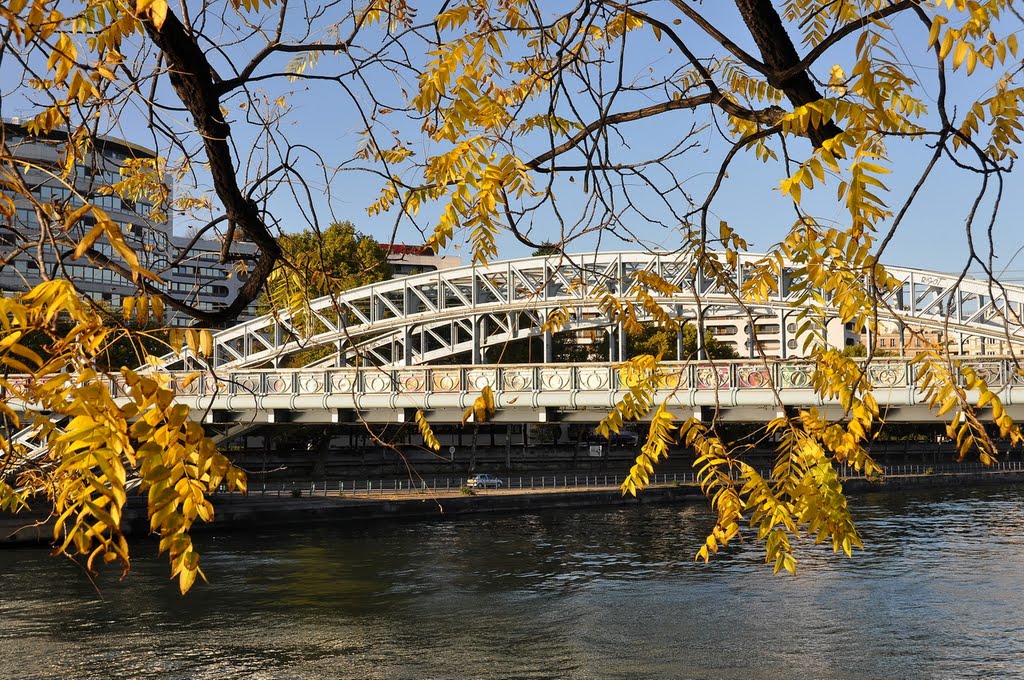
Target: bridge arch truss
(424, 318)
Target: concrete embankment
(241, 512)
(257, 510)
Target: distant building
(977, 346)
(774, 336)
(196, 277)
(890, 340)
(895, 340)
(406, 260)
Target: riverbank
(239, 512)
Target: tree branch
(719, 37)
(846, 30)
(192, 78)
(780, 57)
(768, 116)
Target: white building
(406, 260)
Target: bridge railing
(720, 375)
(732, 375)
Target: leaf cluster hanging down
(109, 439)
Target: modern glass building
(190, 269)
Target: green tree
(482, 122)
(662, 342)
(859, 351)
(546, 248)
(315, 264)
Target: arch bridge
(469, 311)
(405, 326)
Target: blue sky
(931, 237)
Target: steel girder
(422, 318)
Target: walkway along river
(289, 503)
(569, 593)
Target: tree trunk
(779, 55)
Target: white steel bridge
(407, 325)
(430, 317)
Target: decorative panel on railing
(604, 377)
(753, 377)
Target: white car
(484, 482)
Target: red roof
(405, 249)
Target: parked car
(624, 438)
(484, 482)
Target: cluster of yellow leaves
(429, 438)
(143, 179)
(641, 378)
(619, 310)
(655, 447)
(144, 307)
(556, 320)
(106, 227)
(818, 19)
(832, 273)
(949, 386)
(178, 465)
(198, 340)
(715, 469)
(470, 95)
(397, 13)
(102, 24)
(483, 408)
(804, 495)
(644, 284)
(85, 468)
(287, 291)
(973, 42)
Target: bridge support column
(548, 342)
(474, 352)
(783, 349)
(476, 355)
(482, 334)
(611, 345)
(278, 341)
(623, 343)
(407, 346)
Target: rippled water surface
(560, 594)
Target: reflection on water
(566, 594)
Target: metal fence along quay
(567, 481)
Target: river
(562, 594)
